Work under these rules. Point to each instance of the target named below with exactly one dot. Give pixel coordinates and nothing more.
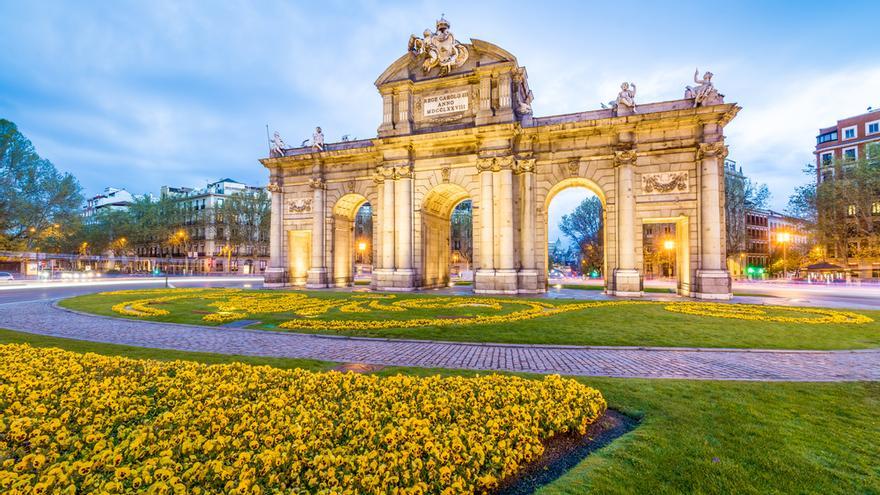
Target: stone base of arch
(274, 277)
(712, 284)
(317, 278)
(625, 283)
(495, 282)
(528, 282)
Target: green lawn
(694, 436)
(627, 325)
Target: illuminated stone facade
(470, 134)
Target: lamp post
(783, 238)
(669, 246)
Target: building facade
(204, 241)
(458, 125)
(112, 199)
(851, 138)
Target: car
(6, 277)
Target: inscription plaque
(445, 103)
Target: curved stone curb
(625, 362)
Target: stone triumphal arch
(457, 125)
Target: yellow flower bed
(74, 423)
(235, 304)
(760, 313)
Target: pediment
(409, 66)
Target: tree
(34, 195)
(740, 194)
(584, 226)
(461, 229)
(245, 218)
(843, 210)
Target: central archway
(591, 189)
(352, 246)
(436, 213)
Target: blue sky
(141, 94)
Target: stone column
(626, 279)
(527, 281)
(317, 275)
(485, 274)
(403, 214)
(274, 275)
(384, 272)
(712, 278)
(505, 269)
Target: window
(872, 127)
(850, 154)
(827, 174)
(872, 150)
(827, 158)
(875, 208)
(849, 133)
(828, 136)
(851, 210)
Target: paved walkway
(43, 318)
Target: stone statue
(439, 49)
(524, 95)
(704, 93)
(318, 139)
(627, 96)
(277, 145)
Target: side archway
(436, 214)
(345, 243)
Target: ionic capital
(524, 165)
(274, 187)
(717, 148)
(625, 157)
(503, 163)
(485, 164)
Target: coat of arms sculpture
(439, 49)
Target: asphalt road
(11, 295)
(853, 297)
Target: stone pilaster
(387, 126)
(712, 280)
(484, 113)
(527, 279)
(275, 275)
(626, 280)
(317, 275)
(404, 113)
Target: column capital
(625, 157)
(524, 165)
(717, 148)
(317, 183)
(274, 186)
(485, 164)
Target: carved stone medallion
(302, 205)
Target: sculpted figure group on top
(440, 49)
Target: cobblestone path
(45, 319)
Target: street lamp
(669, 246)
(783, 238)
